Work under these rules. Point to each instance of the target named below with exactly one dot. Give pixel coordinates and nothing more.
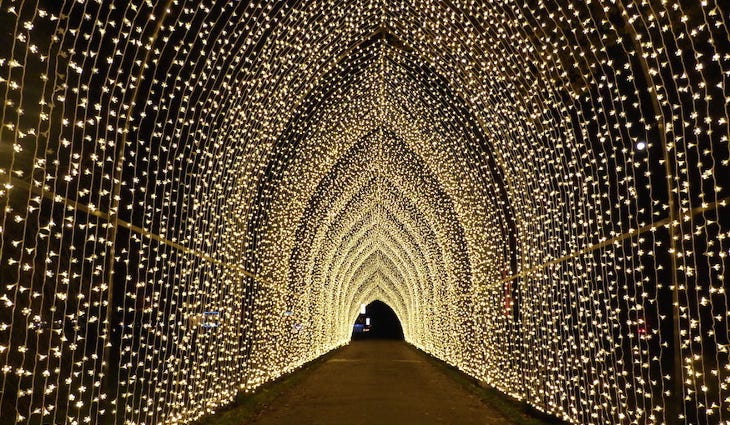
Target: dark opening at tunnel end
(379, 321)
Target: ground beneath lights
(379, 382)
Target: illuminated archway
(198, 195)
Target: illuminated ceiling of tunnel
(198, 196)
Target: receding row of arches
(198, 196)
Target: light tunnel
(198, 195)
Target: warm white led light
(197, 197)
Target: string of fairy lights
(198, 195)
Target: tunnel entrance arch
(377, 320)
(199, 208)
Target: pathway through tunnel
(379, 382)
(377, 321)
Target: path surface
(378, 383)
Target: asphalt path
(378, 383)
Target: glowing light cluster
(198, 195)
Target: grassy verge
(248, 405)
(515, 411)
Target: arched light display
(198, 195)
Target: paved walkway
(378, 383)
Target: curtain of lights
(197, 196)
